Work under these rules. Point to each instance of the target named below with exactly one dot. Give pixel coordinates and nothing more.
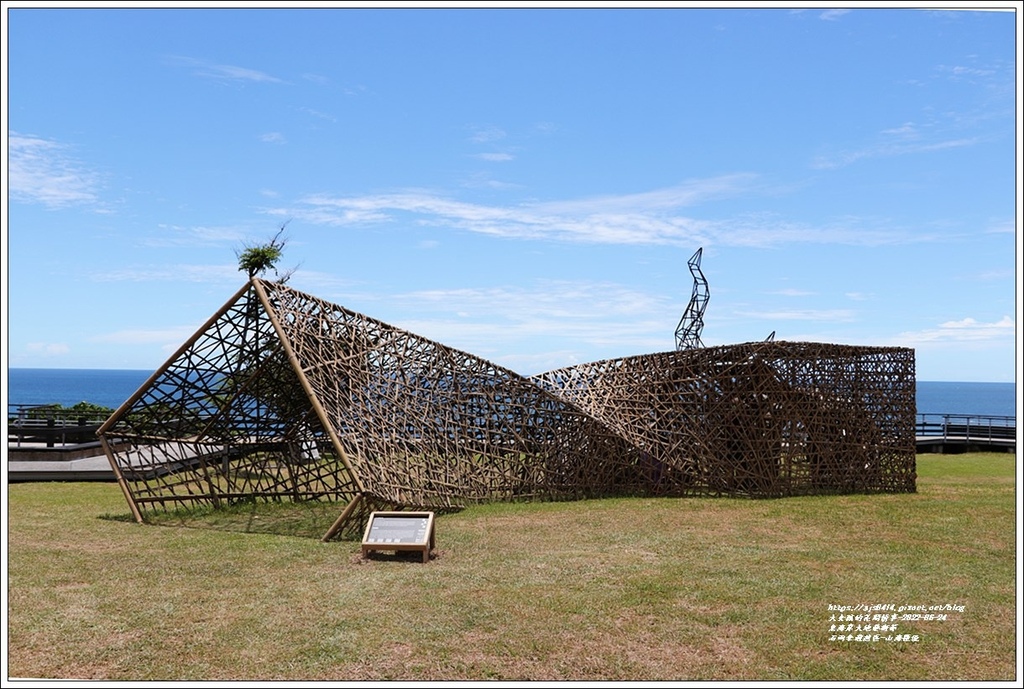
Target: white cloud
(908, 130)
(832, 15)
(211, 70)
(41, 171)
(958, 72)
(319, 114)
(886, 149)
(272, 138)
(486, 134)
(482, 180)
(688, 193)
(818, 315)
(495, 157)
(173, 235)
(137, 336)
(553, 315)
(995, 274)
(558, 299)
(966, 330)
(646, 218)
(48, 348)
(316, 282)
(177, 273)
(1007, 226)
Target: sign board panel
(400, 531)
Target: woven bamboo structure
(762, 419)
(283, 396)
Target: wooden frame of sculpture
(283, 396)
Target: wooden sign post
(400, 531)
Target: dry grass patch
(625, 589)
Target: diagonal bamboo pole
(120, 481)
(127, 404)
(167, 364)
(314, 400)
(342, 518)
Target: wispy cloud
(211, 70)
(48, 349)
(832, 15)
(689, 193)
(561, 300)
(1007, 226)
(43, 171)
(908, 130)
(649, 218)
(967, 330)
(202, 235)
(907, 144)
(176, 273)
(483, 180)
(985, 110)
(135, 336)
(817, 315)
(482, 134)
(272, 138)
(495, 157)
(966, 73)
(530, 221)
(792, 292)
(319, 114)
(560, 313)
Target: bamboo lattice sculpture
(763, 419)
(283, 396)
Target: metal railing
(51, 425)
(967, 427)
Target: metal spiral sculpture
(692, 322)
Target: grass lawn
(623, 589)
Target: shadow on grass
(414, 556)
(116, 517)
(299, 520)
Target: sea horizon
(150, 371)
(112, 387)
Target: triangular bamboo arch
(281, 395)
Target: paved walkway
(38, 462)
(84, 469)
(87, 462)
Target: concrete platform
(951, 445)
(38, 462)
(88, 469)
(87, 462)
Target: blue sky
(526, 184)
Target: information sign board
(400, 531)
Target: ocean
(110, 388)
(69, 386)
